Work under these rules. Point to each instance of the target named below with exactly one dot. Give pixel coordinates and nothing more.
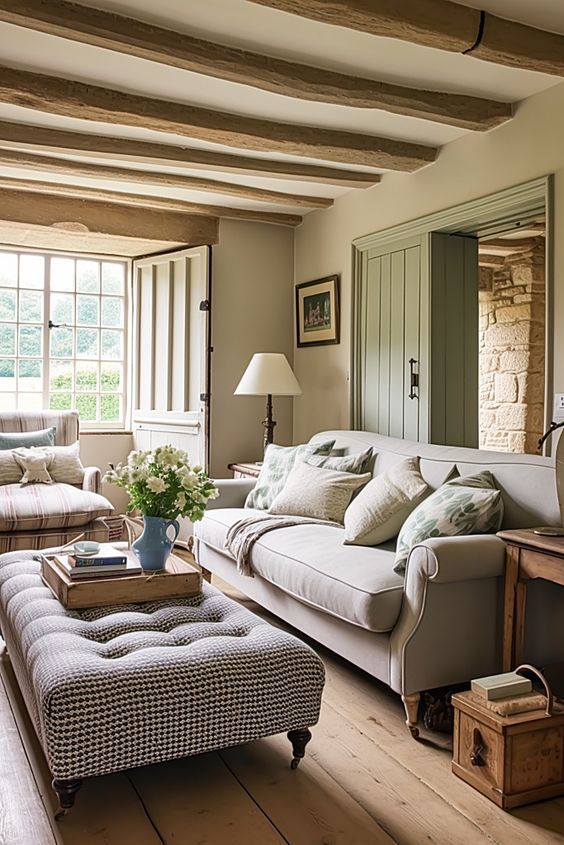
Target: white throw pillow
(380, 509)
(318, 493)
(66, 466)
(35, 463)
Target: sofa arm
(447, 559)
(449, 627)
(92, 480)
(232, 492)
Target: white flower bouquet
(162, 483)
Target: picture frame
(317, 312)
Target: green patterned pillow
(468, 505)
(358, 463)
(278, 461)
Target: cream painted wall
(529, 146)
(252, 272)
(102, 449)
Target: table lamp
(268, 374)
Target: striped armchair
(39, 516)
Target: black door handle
(413, 379)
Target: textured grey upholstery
(112, 688)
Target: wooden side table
(242, 470)
(528, 556)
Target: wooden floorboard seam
(251, 796)
(145, 810)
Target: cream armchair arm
(232, 492)
(92, 481)
(450, 622)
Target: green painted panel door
(390, 336)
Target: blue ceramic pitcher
(154, 545)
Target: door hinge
(204, 397)
(205, 305)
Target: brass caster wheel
(295, 763)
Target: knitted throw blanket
(244, 533)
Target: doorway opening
(512, 307)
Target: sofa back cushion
(317, 492)
(26, 439)
(527, 482)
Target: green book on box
(507, 685)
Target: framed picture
(317, 312)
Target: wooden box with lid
(512, 760)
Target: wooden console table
(528, 555)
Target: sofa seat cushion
(36, 507)
(310, 562)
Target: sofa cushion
(318, 493)
(377, 514)
(310, 562)
(40, 506)
(278, 462)
(17, 439)
(468, 505)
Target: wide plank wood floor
(364, 781)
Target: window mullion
(46, 330)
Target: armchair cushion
(18, 439)
(40, 506)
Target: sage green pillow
(357, 463)
(464, 505)
(278, 462)
(27, 439)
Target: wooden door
(416, 362)
(170, 384)
(392, 304)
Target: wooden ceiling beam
(115, 32)
(68, 98)
(102, 217)
(441, 24)
(53, 164)
(120, 198)
(59, 141)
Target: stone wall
(512, 365)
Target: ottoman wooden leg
(299, 740)
(66, 791)
(411, 704)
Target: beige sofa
(40, 516)
(440, 625)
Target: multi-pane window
(62, 335)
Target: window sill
(89, 431)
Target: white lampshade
(268, 373)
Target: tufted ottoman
(116, 687)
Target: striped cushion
(40, 506)
(10, 470)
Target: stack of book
(109, 562)
(507, 694)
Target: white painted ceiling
(245, 24)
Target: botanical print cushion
(317, 492)
(278, 462)
(467, 505)
(380, 509)
(34, 463)
(359, 463)
(27, 439)
(10, 470)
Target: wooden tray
(180, 579)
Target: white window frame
(47, 255)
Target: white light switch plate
(558, 406)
